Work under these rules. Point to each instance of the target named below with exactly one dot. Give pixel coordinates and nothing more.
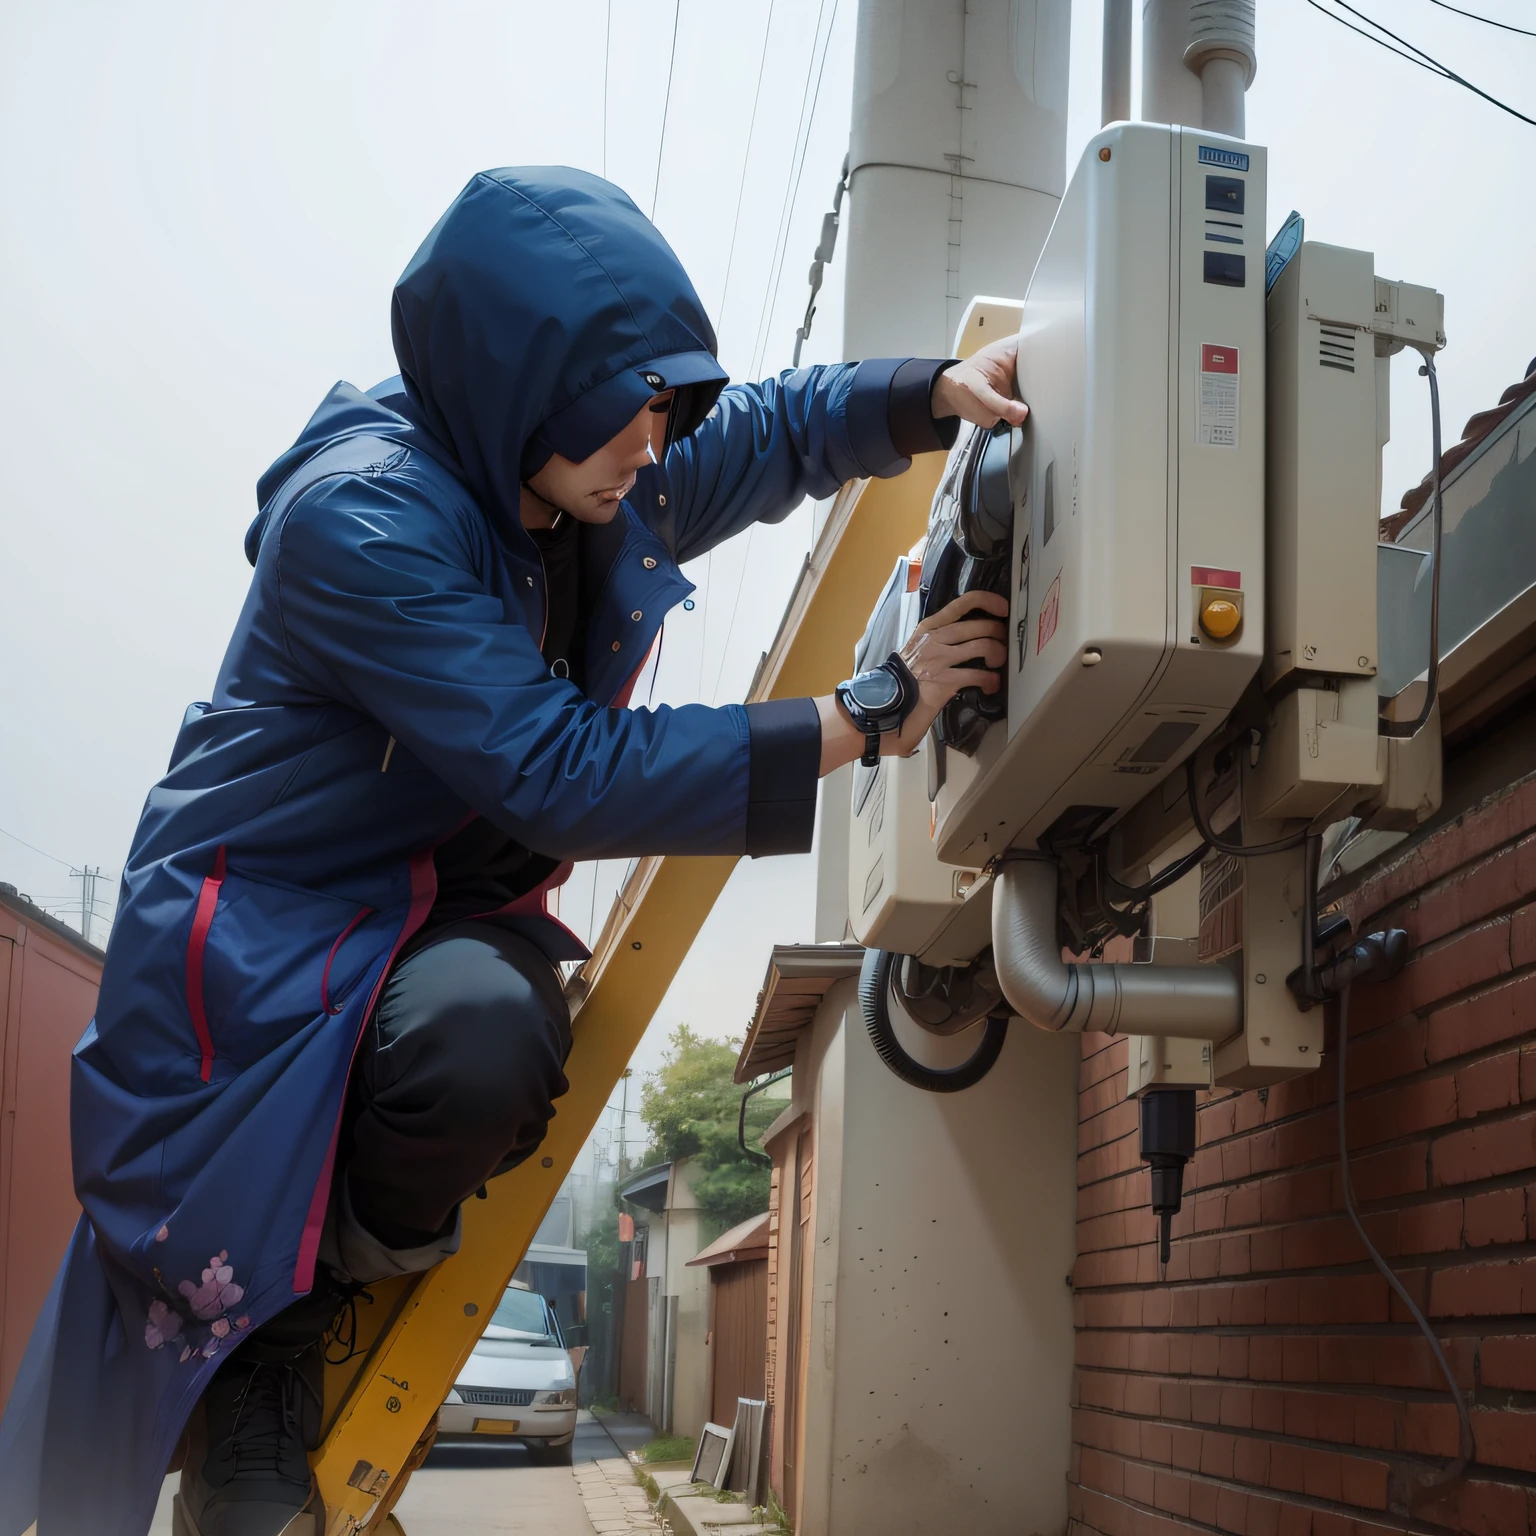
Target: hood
(539, 316)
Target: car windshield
(524, 1313)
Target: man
(330, 1010)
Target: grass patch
(668, 1448)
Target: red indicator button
(1213, 576)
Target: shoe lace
(267, 1427)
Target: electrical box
(1324, 467)
(1137, 563)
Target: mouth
(616, 492)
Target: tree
(690, 1107)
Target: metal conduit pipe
(1200, 1002)
(1115, 83)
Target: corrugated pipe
(1199, 1002)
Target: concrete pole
(957, 161)
(1115, 93)
(1197, 60)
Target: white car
(518, 1382)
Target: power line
(746, 160)
(1424, 60)
(791, 185)
(35, 849)
(607, 40)
(1487, 21)
(666, 108)
(805, 147)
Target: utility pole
(629, 1072)
(87, 878)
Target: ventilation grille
(497, 1397)
(1336, 348)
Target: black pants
(455, 1078)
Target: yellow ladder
(415, 1336)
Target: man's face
(592, 489)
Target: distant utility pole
(87, 878)
(629, 1072)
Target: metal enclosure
(1138, 489)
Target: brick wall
(1269, 1384)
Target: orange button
(1220, 617)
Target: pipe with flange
(1199, 1002)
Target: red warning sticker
(1216, 396)
(1050, 613)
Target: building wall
(688, 1344)
(48, 985)
(936, 1345)
(1270, 1383)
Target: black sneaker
(247, 1470)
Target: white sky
(205, 207)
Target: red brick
(1432, 1429)
(1506, 1439)
(1380, 1175)
(1250, 1461)
(1269, 1410)
(1501, 1013)
(1384, 1054)
(1509, 1362)
(1362, 1482)
(1432, 1228)
(1522, 937)
(1498, 1288)
(1493, 1083)
(1287, 1467)
(1491, 1509)
(1496, 1217)
(1344, 1299)
(1237, 1407)
(1485, 1151)
(1186, 1448)
(1139, 1482)
(1399, 1112)
(1231, 1511)
(1263, 1517)
(1203, 1502)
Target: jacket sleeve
(766, 447)
(381, 608)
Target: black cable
(875, 978)
(1487, 21)
(1399, 730)
(1234, 850)
(1430, 63)
(1161, 880)
(1468, 1441)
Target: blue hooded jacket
(384, 686)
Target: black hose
(875, 980)
(1468, 1442)
(1201, 819)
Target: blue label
(1227, 159)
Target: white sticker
(1216, 412)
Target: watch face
(875, 692)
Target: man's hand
(981, 388)
(933, 654)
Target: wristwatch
(879, 701)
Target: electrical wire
(35, 849)
(803, 127)
(1487, 21)
(666, 108)
(1424, 60)
(607, 42)
(746, 160)
(1202, 823)
(1468, 1441)
(1400, 730)
(1160, 881)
